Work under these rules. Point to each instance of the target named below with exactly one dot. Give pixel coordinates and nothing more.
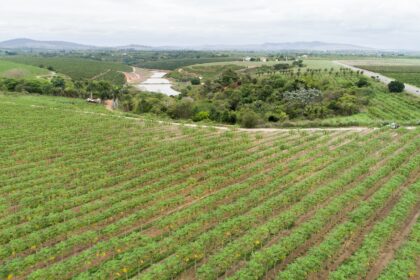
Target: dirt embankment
(137, 76)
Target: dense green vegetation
(10, 69)
(166, 60)
(279, 95)
(59, 86)
(78, 68)
(88, 194)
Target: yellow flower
(125, 270)
(10, 276)
(257, 242)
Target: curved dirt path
(101, 74)
(384, 79)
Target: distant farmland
(406, 74)
(405, 70)
(172, 64)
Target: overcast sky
(374, 23)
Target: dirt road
(408, 88)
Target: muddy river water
(157, 83)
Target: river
(157, 83)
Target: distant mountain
(135, 47)
(316, 46)
(288, 46)
(24, 43)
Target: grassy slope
(78, 68)
(10, 69)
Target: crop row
(265, 259)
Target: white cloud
(379, 23)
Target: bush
(303, 96)
(362, 82)
(248, 118)
(182, 109)
(195, 81)
(396, 86)
(200, 116)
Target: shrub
(200, 116)
(303, 96)
(362, 82)
(248, 118)
(195, 81)
(396, 86)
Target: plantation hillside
(91, 194)
(13, 70)
(78, 68)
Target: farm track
(226, 128)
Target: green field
(91, 195)
(78, 68)
(405, 70)
(406, 74)
(10, 69)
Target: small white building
(263, 59)
(247, 58)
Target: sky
(384, 24)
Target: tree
(229, 77)
(396, 86)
